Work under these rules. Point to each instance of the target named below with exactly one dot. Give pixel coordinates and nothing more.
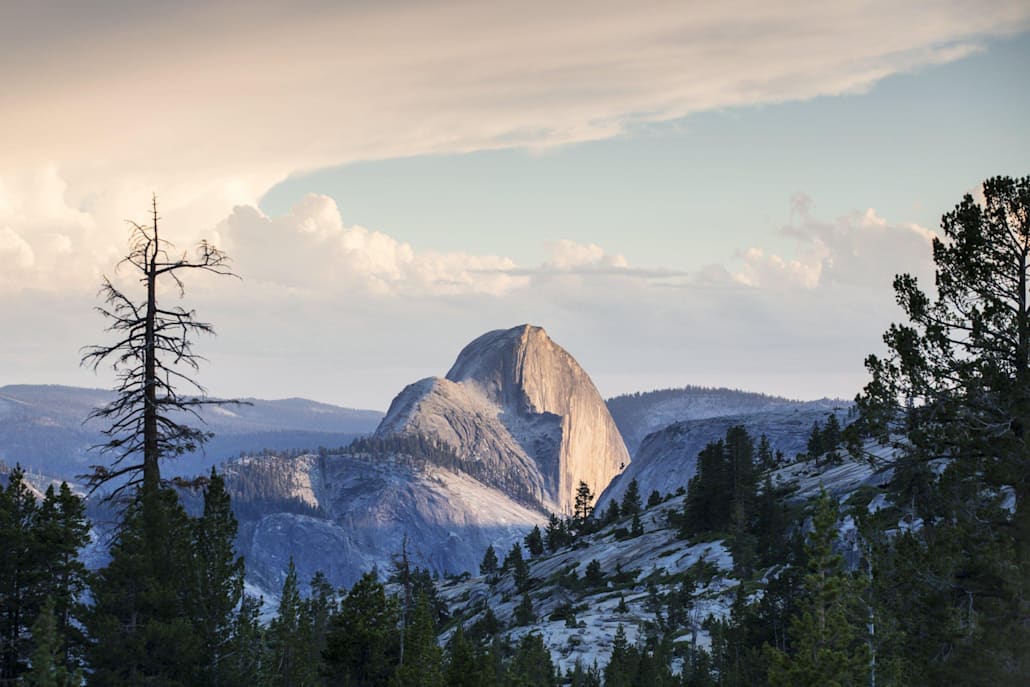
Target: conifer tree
(140, 626)
(61, 531)
(828, 635)
(423, 659)
(531, 666)
(631, 499)
(462, 669)
(524, 613)
(954, 390)
(489, 564)
(289, 639)
(219, 579)
(48, 657)
(363, 644)
(535, 541)
(20, 574)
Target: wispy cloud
(211, 104)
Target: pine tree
(289, 639)
(48, 657)
(363, 644)
(531, 666)
(21, 573)
(524, 613)
(631, 499)
(61, 531)
(535, 541)
(462, 669)
(489, 564)
(423, 659)
(583, 507)
(139, 625)
(622, 665)
(219, 579)
(954, 388)
(828, 635)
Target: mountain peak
(516, 400)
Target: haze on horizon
(717, 196)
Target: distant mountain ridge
(641, 413)
(43, 427)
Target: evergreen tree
(219, 580)
(622, 666)
(829, 633)
(48, 657)
(535, 542)
(61, 531)
(654, 499)
(21, 573)
(289, 639)
(531, 666)
(423, 659)
(611, 513)
(636, 527)
(631, 499)
(583, 507)
(524, 613)
(363, 645)
(462, 668)
(245, 662)
(140, 627)
(954, 388)
(518, 567)
(489, 564)
(593, 575)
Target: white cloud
(858, 249)
(219, 104)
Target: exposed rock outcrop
(517, 403)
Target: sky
(679, 193)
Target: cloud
(219, 104)
(857, 249)
(351, 314)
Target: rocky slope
(667, 459)
(346, 513)
(640, 414)
(519, 405)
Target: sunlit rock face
(521, 410)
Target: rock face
(521, 409)
(667, 459)
(343, 514)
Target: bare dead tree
(152, 358)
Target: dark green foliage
(462, 669)
(48, 657)
(489, 564)
(557, 534)
(622, 665)
(518, 567)
(611, 513)
(218, 574)
(828, 636)
(583, 508)
(524, 613)
(578, 676)
(631, 499)
(289, 639)
(531, 666)
(954, 387)
(654, 499)
(593, 575)
(140, 623)
(637, 527)
(363, 644)
(535, 542)
(21, 572)
(423, 659)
